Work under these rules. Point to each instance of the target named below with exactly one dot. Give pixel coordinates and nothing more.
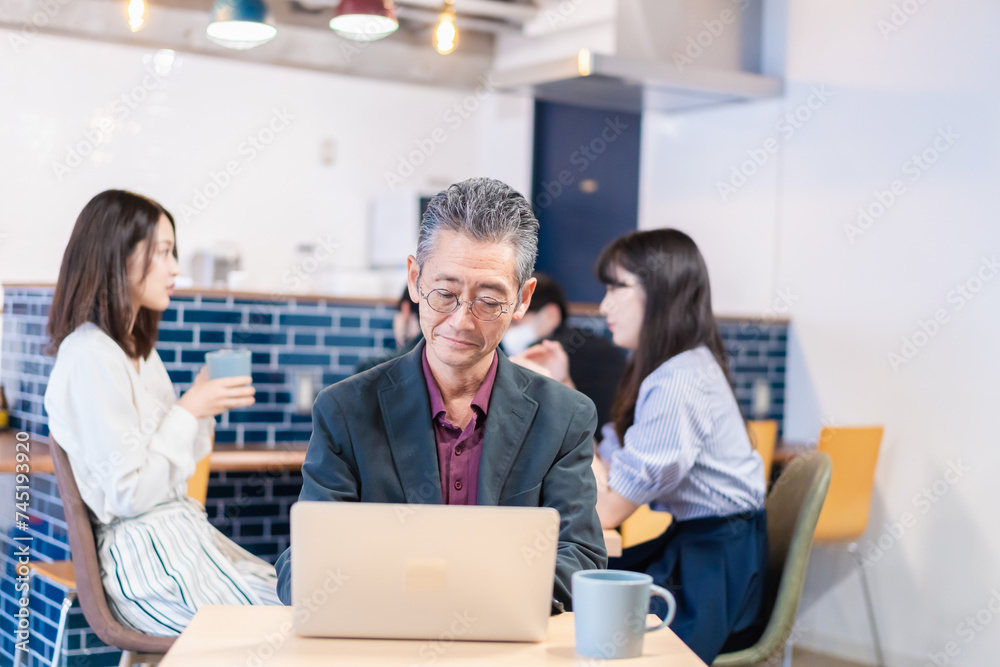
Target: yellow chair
(644, 525)
(763, 436)
(198, 483)
(854, 451)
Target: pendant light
(446, 34)
(240, 24)
(136, 14)
(365, 20)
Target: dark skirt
(715, 568)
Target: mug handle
(656, 591)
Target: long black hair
(93, 284)
(678, 313)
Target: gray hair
(484, 209)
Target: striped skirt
(159, 567)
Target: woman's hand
(207, 398)
(551, 356)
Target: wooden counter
(225, 457)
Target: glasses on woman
(483, 308)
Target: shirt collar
(482, 398)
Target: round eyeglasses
(483, 308)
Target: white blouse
(131, 446)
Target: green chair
(793, 508)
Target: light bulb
(136, 14)
(446, 34)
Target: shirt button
(458, 485)
(458, 450)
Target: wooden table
(263, 637)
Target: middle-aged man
(454, 421)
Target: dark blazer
(373, 441)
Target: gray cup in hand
(228, 363)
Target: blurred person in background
(595, 364)
(405, 329)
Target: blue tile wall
(324, 339)
(321, 338)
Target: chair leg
(61, 630)
(788, 654)
(879, 658)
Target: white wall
(187, 125)
(852, 302)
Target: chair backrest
(763, 436)
(197, 485)
(854, 451)
(87, 569)
(793, 508)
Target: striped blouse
(687, 451)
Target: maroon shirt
(459, 450)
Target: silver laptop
(441, 572)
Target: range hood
(625, 84)
(641, 55)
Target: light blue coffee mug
(228, 363)
(609, 612)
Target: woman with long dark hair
(132, 444)
(678, 442)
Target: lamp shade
(365, 20)
(240, 24)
